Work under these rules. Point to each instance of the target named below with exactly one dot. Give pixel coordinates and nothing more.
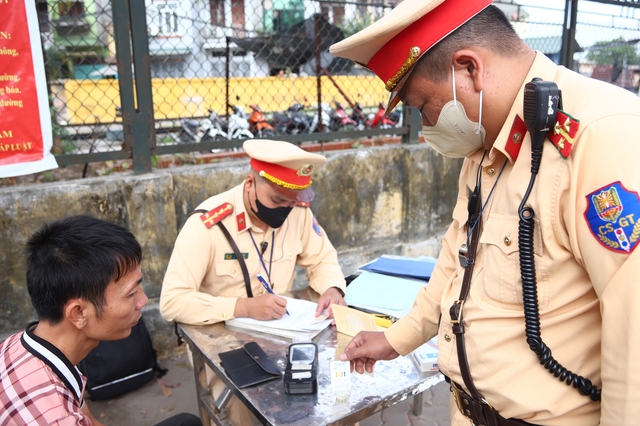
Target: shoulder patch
(613, 216)
(316, 227)
(563, 133)
(516, 136)
(216, 215)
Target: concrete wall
(393, 199)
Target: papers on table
(389, 285)
(299, 324)
(385, 294)
(351, 321)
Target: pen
(267, 287)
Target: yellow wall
(91, 101)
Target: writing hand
(367, 348)
(265, 307)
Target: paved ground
(157, 401)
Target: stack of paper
(385, 294)
(300, 324)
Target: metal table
(392, 381)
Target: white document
(300, 321)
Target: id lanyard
(264, 266)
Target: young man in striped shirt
(84, 280)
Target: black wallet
(249, 365)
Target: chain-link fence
(221, 71)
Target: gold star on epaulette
(564, 132)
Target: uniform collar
(55, 359)
(542, 67)
(241, 216)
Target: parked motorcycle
(258, 124)
(238, 126)
(326, 113)
(340, 120)
(208, 129)
(372, 120)
(293, 121)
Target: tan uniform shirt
(204, 280)
(588, 290)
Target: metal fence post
(137, 119)
(413, 119)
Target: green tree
(617, 52)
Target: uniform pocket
(229, 271)
(501, 261)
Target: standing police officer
(562, 249)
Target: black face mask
(272, 217)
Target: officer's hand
(329, 297)
(367, 348)
(265, 307)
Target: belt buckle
(463, 250)
(456, 396)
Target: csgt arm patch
(613, 216)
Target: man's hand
(332, 295)
(87, 412)
(265, 307)
(367, 348)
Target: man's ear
(75, 312)
(472, 67)
(248, 182)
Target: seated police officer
(263, 225)
(540, 323)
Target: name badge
(232, 256)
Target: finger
(323, 304)
(369, 365)
(280, 301)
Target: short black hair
(77, 257)
(490, 29)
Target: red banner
(25, 120)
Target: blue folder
(417, 268)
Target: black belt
(481, 412)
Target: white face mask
(454, 135)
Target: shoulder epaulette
(216, 215)
(563, 133)
(302, 204)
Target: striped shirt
(38, 384)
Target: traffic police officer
(461, 64)
(269, 221)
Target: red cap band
(388, 62)
(283, 176)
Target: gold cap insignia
(305, 170)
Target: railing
(134, 81)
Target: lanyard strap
(264, 266)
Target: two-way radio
(542, 99)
